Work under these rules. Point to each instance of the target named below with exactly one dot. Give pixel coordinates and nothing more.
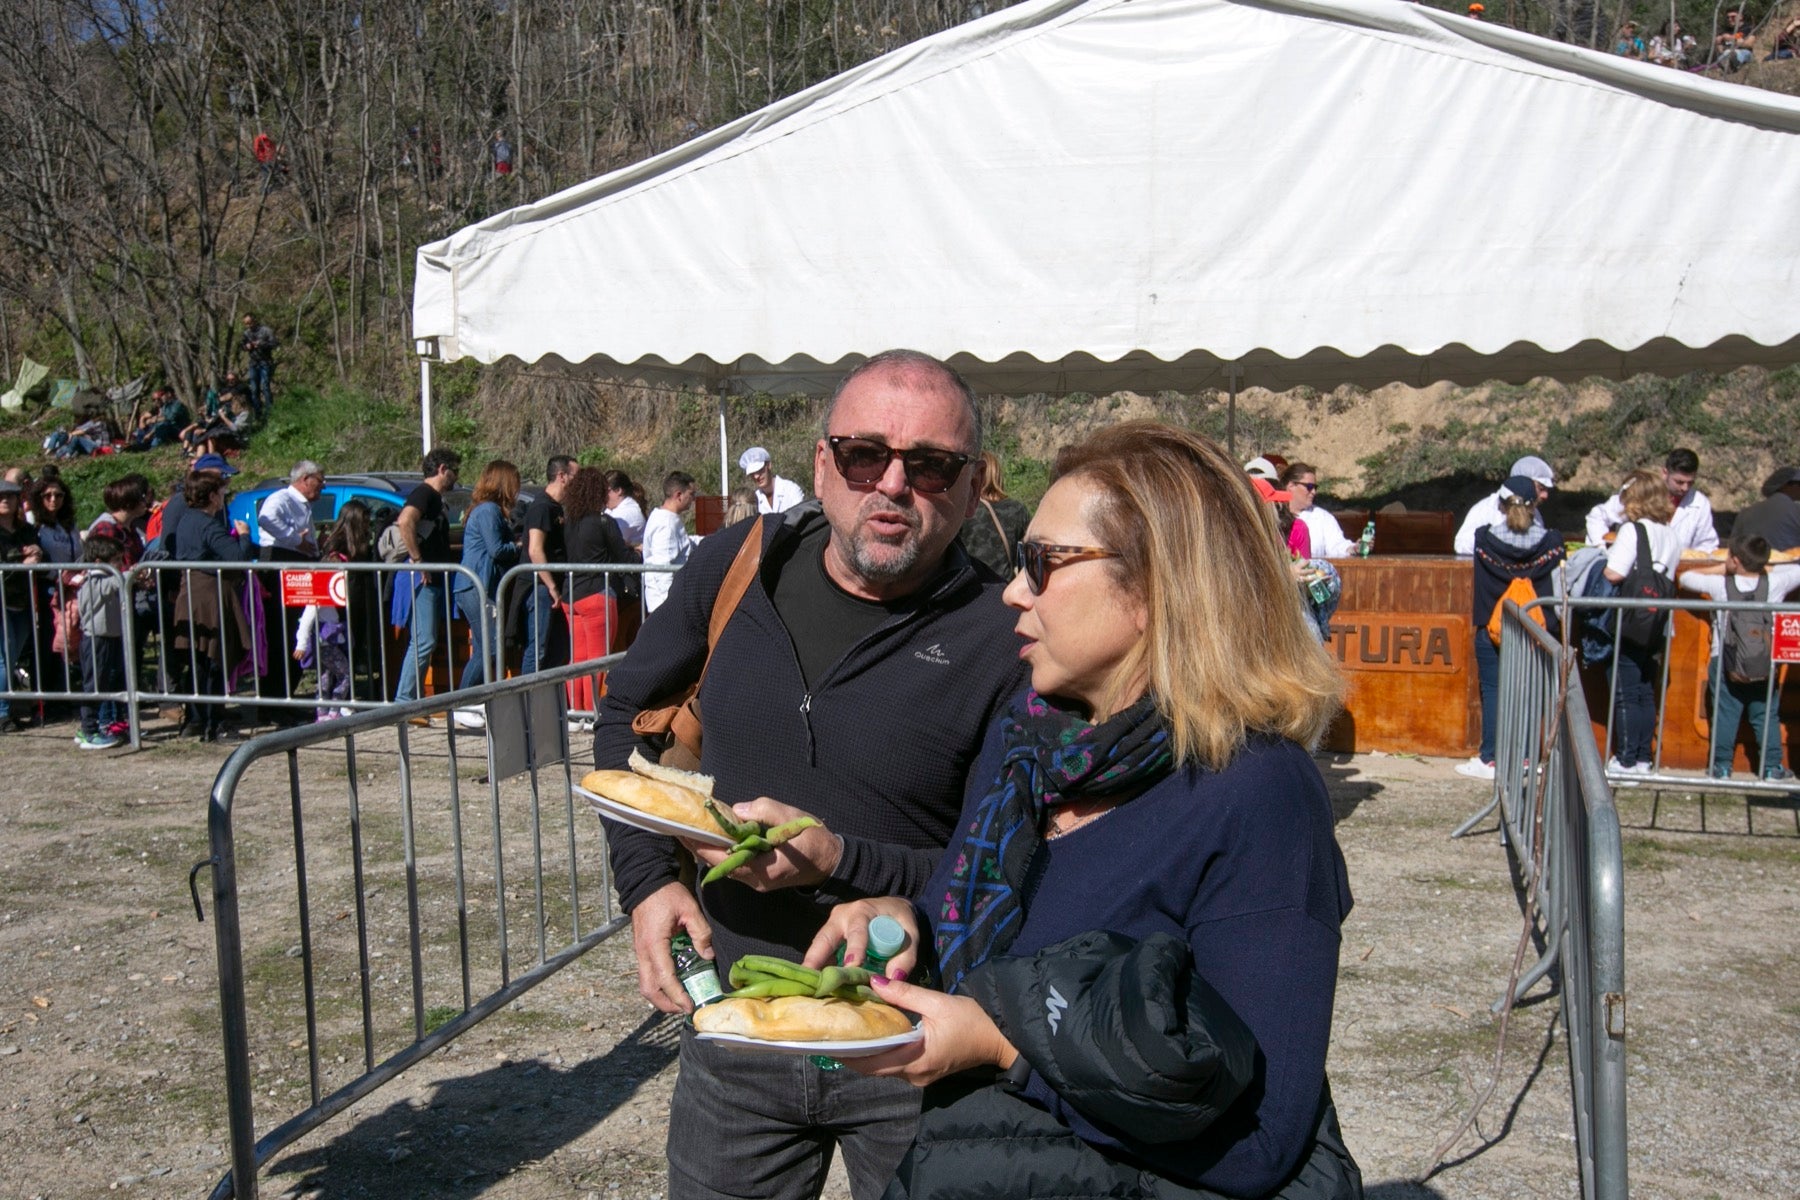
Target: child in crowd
(323, 637)
(100, 603)
(1738, 675)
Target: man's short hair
(1751, 551)
(440, 458)
(559, 466)
(1682, 461)
(676, 482)
(914, 360)
(124, 492)
(306, 468)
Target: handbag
(676, 725)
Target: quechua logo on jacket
(933, 653)
(1054, 1006)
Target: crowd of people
(1732, 48)
(231, 408)
(1633, 547)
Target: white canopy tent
(1090, 195)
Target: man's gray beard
(897, 565)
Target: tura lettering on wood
(1411, 642)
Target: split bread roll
(803, 1019)
(670, 801)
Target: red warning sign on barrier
(1786, 647)
(328, 588)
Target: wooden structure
(1404, 639)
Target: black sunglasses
(1311, 487)
(862, 462)
(1038, 559)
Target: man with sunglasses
(853, 682)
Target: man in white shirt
(1301, 481)
(773, 493)
(284, 523)
(1693, 521)
(666, 540)
(284, 531)
(1487, 510)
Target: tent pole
(724, 469)
(1232, 373)
(425, 403)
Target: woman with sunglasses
(1135, 928)
(1301, 482)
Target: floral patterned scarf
(1053, 757)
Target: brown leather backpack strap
(737, 582)
(1006, 543)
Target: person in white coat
(773, 493)
(666, 539)
(1692, 523)
(1487, 510)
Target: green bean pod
(770, 987)
(782, 833)
(728, 864)
(779, 968)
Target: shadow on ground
(478, 1128)
(1401, 1189)
(1347, 785)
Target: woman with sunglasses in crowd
(1135, 926)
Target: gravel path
(110, 1057)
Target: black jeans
(751, 1123)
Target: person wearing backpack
(1642, 561)
(1515, 559)
(1738, 674)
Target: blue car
(376, 491)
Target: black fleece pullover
(879, 748)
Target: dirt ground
(110, 1061)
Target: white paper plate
(857, 1049)
(627, 815)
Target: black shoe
(10, 725)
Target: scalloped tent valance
(1084, 196)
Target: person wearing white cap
(1487, 510)
(773, 493)
(1693, 520)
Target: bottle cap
(886, 937)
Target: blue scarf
(1053, 757)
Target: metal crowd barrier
(35, 599)
(566, 636)
(1557, 816)
(405, 918)
(1662, 777)
(255, 663)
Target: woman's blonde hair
(741, 506)
(499, 482)
(1227, 649)
(992, 488)
(1520, 512)
(1646, 498)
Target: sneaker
(119, 729)
(1475, 768)
(470, 718)
(97, 741)
(1719, 772)
(1777, 775)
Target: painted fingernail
(879, 980)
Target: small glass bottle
(699, 978)
(1365, 545)
(886, 939)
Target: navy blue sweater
(879, 748)
(1244, 866)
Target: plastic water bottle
(699, 977)
(1366, 543)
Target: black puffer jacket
(1131, 1037)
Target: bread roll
(671, 802)
(803, 1019)
(692, 780)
